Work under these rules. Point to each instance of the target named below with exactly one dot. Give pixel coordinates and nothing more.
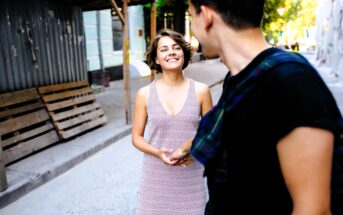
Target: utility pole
(126, 63)
(152, 33)
(126, 57)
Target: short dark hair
(151, 53)
(239, 14)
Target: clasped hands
(178, 157)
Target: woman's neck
(172, 79)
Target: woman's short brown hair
(151, 53)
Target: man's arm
(305, 156)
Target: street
(107, 182)
(70, 72)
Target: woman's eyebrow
(165, 46)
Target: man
(267, 146)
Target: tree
(170, 14)
(277, 13)
(289, 20)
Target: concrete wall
(329, 38)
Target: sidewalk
(31, 172)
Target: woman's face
(169, 54)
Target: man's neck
(239, 48)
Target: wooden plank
(3, 178)
(27, 135)
(17, 123)
(73, 112)
(67, 94)
(59, 87)
(70, 102)
(83, 127)
(17, 97)
(79, 119)
(116, 9)
(30, 146)
(22, 109)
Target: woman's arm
(204, 97)
(306, 157)
(139, 123)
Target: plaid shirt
(209, 134)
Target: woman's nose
(171, 52)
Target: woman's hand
(179, 153)
(181, 156)
(165, 154)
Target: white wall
(330, 35)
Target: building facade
(103, 33)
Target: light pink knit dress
(168, 189)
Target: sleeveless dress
(165, 189)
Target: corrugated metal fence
(41, 43)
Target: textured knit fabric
(168, 189)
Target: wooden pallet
(72, 107)
(25, 125)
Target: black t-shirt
(287, 96)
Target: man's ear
(207, 16)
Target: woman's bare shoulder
(201, 87)
(144, 91)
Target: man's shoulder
(288, 69)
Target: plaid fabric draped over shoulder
(209, 134)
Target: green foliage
(277, 13)
(288, 19)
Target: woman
(170, 109)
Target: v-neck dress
(166, 189)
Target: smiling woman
(170, 108)
(172, 39)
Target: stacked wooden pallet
(25, 125)
(72, 107)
